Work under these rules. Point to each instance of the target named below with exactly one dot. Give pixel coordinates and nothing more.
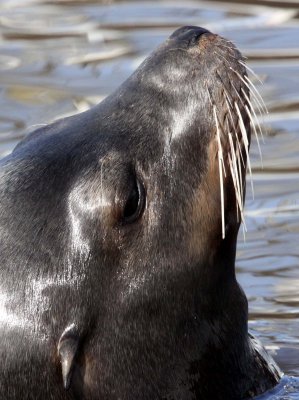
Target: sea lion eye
(135, 204)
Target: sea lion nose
(189, 34)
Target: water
(61, 57)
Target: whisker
(234, 154)
(238, 198)
(251, 71)
(222, 56)
(210, 98)
(257, 93)
(259, 104)
(240, 177)
(231, 53)
(250, 117)
(246, 144)
(236, 172)
(235, 187)
(233, 124)
(233, 169)
(229, 107)
(244, 232)
(220, 164)
(229, 42)
(240, 151)
(221, 45)
(255, 133)
(254, 113)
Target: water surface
(61, 57)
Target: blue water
(287, 389)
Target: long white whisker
(250, 117)
(255, 133)
(257, 93)
(222, 56)
(235, 182)
(251, 70)
(244, 232)
(254, 113)
(246, 143)
(234, 154)
(234, 164)
(238, 179)
(240, 151)
(220, 163)
(255, 98)
(232, 158)
(233, 124)
(235, 185)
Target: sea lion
(118, 240)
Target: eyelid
(141, 203)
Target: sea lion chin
(118, 240)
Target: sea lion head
(121, 225)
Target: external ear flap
(67, 349)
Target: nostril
(189, 34)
